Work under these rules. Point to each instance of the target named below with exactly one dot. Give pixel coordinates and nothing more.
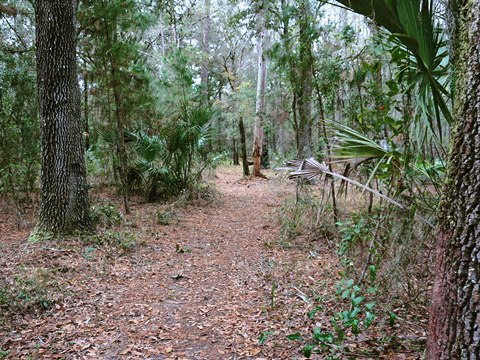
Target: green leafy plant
(412, 24)
(263, 337)
(105, 215)
(123, 242)
(173, 161)
(32, 290)
(354, 299)
(89, 253)
(182, 249)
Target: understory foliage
(173, 161)
(393, 150)
(32, 291)
(383, 262)
(19, 131)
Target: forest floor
(210, 281)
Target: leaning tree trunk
(260, 99)
(454, 330)
(64, 191)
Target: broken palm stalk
(310, 168)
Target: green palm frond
(200, 116)
(172, 161)
(351, 144)
(148, 147)
(412, 24)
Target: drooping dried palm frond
(310, 168)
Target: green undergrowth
(30, 290)
(381, 264)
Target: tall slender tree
(64, 195)
(260, 98)
(303, 87)
(205, 49)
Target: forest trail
(198, 288)
(204, 303)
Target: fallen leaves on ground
(200, 288)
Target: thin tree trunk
(260, 99)
(454, 327)
(243, 147)
(121, 147)
(292, 69)
(235, 153)
(122, 151)
(321, 125)
(176, 42)
(107, 111)
(162, 38)
(304, 86)
(265, 158)
(85, 120)
(273, 126)
(295, 120)
(205, 48)
(64, 204)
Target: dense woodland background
(171, 90)
(181, 76)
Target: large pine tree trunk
(64, 195)
(454, 331)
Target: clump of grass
(297, 217)
(166, 216)
(32, 290)
(111, 241)
(105, 215)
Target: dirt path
(206, 286)
(207, 301)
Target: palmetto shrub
(172, 161)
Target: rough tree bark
(454, 328)
(260, 99)
(64, 204)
